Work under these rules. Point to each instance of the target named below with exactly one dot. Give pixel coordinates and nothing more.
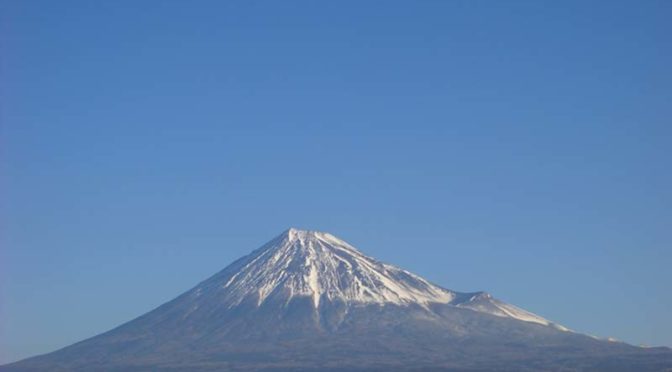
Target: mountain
(307, 300)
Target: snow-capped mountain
(322, 267)
(308, 300)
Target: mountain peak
(317, 265)
(293, 234)
(295, 230)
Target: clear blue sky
(520, 148)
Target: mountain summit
(322, 267)
(308, 300)
(319, 265)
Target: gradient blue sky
(522, 148)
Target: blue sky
(521, 148)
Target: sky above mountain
(517, 148)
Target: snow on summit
(321, 267)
